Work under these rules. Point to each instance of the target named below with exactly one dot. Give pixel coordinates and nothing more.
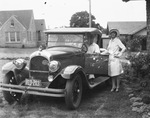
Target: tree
(81, 19)
(148, 21)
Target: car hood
(56, 52)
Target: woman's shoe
(113, 89)
(117, 89)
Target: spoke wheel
(9, 96)
(73, 92)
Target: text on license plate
(32, 82)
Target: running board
(98, 80)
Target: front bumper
(33, 90)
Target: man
(92, 49)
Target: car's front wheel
(9, 96)
(73, 92)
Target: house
(18, 28)
(105, 40)
(129, 30)
(40, 26)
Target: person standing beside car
(115, 50)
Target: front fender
(70, 70)
(19, 74)
(8, 67)
(11, 67)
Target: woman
(115, 49)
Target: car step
(98, 80)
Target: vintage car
(60, 69)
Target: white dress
(114, 64)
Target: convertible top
(74, 30)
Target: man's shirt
(93, 48)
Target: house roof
(127, 27)
(23, 16)
(40, 24)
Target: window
(12, 23)
(143, 43)
(74, 40)
(29, 35)
(39, 35)
(7, 36)
(18, 36)
(12, 37)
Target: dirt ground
(96, 103)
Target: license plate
(32, 82)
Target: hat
(114, 30)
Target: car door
(96, 64)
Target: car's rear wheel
(73, 92)
(9, 96)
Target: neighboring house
(40, 26)
(105, 40)
(130, 30)
(18, 29)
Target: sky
(57, 13)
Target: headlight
(54, 66)
(20, 63)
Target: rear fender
(68, 72)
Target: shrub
(134, 45)
(139, 71)
(146, 99)
(141, 64)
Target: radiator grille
(38, 69)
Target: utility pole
(89, 13)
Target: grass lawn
(16, 52)
(96, 103)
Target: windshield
(75, 40)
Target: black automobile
(61, 69)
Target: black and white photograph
(74, 58)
